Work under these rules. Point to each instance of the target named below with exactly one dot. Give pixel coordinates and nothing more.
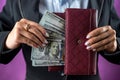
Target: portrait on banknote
(54, 50)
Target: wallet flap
(79, 22)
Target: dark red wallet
(78, 60)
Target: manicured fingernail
(46, 41)
(88, 48)
(47, 34)
(104, 30)
(88, 36)
(94, 49)
(86, 43)
(43, 45)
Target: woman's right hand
(27, 32)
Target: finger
(100, 37)
(31, 38)
(35, 32)
(36, 25)
(98, 31)
(27, 34)
(101, 43)
(27, 41)
(109, 47)
(38, 34)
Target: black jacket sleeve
(115, 23)
(6, 25)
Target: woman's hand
(27, 32)
(103, 38)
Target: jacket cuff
(3, 36)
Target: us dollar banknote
(53, 53)
(37, 63)
(53, 22)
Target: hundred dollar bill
(54, 35)
(51, 55)
(48, 27)
(37, 63)
(52, 52)
(53, 22)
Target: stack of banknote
(53, 53)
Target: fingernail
(47, 34)
(88, 36)
(86, 43)
(43, 45)
(104, 29)
(46, 41)
(88, 48)
(94, 49)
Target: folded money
(52, 51)
(52, 54)
(37, 63)
(53, 22)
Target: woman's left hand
(103, 38)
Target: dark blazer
(16, 9)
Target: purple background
(16, 69)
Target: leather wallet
(78, 60)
